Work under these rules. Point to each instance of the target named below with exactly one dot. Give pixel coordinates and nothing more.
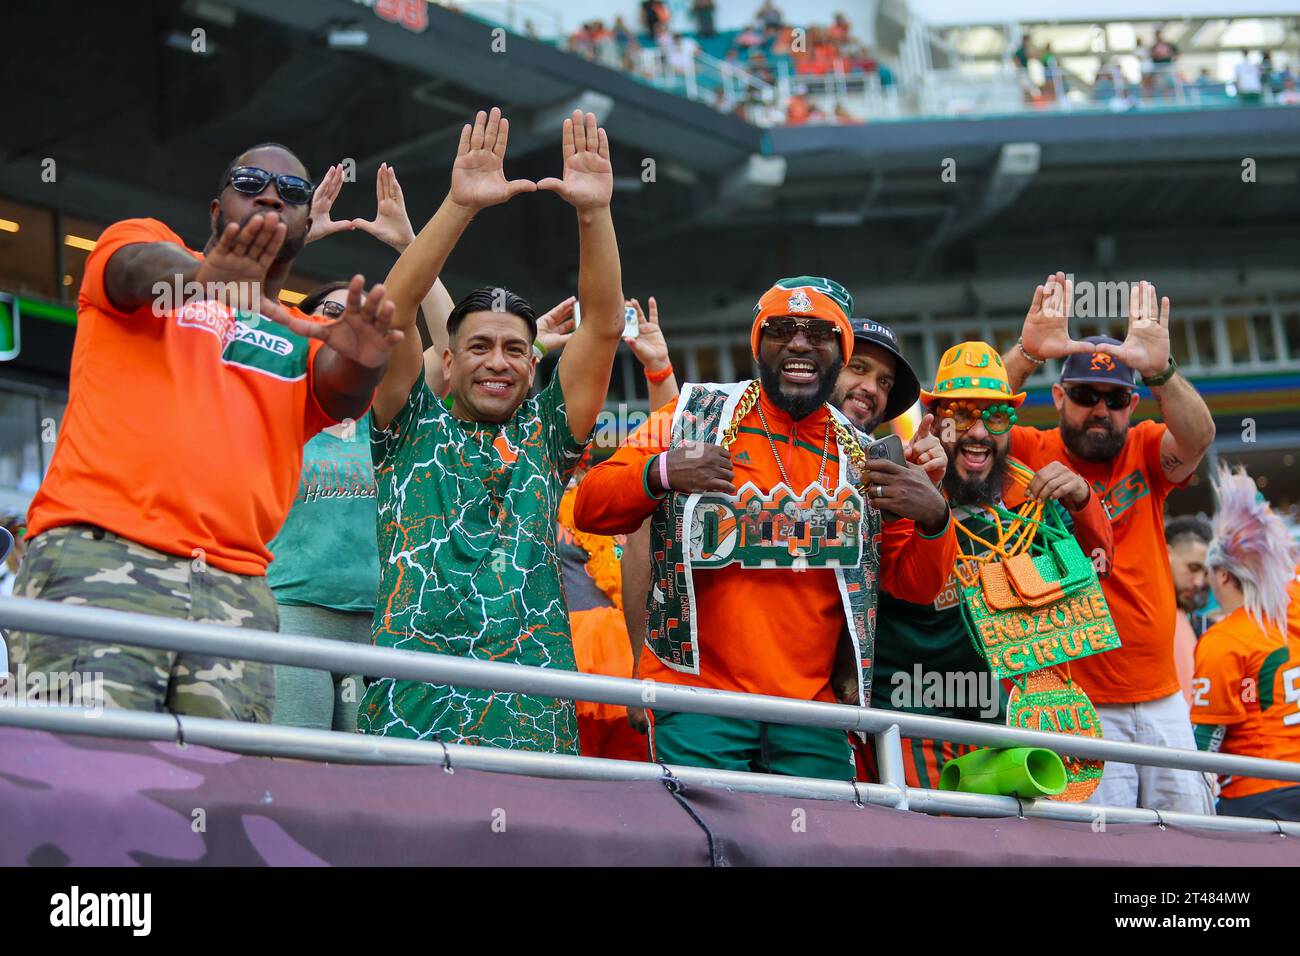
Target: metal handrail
(143, 630)
(339, 747)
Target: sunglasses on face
(250, 181)
(333, 309)
(816, 331)
(998, 419)
(1088, 397)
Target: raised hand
(649, 346)
(362, 334)
(236, 266)
(926, 450)
(1046, 332)
(391, 224)
(1146, 347)
(478, 176)
(556, 327)
(322, 201)
(588, 181)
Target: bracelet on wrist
(654, 378)
(539, 350)
(1020, 344)
(1157, 380)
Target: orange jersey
(184, 431)
(1249, 681)
(1140, 587)
(761, 630)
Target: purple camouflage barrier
(83, 801)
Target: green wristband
(1163, 377)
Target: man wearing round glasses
(192, 394)
(924, 645)
(1133, 468)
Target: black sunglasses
(1087, 397)
(333, 309)
(817, 331)
(250, 181)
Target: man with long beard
(779, 619)
(1133, 468)
(192, 393)
(921, 645)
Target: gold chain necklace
(826, 444)
(847, 441)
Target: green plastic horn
(1017, 772)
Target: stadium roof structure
(140, 124)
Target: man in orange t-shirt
(770, 630)
(192, 393)
(1246, 692)
(1132, 468)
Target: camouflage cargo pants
(80, 564)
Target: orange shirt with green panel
(762, 630)
(1140, 587)
(184, 430)
(1248, 680)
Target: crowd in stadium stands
(759, 49)
(320, 470)
(769, 46)
(1159, 78)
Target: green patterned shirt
(468, 566)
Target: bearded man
(768, 619)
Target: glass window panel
(52, 410)
(742, 362)
(913, 344)
(1188, 343)
(708, 364)
(1265, 346)
(1291, 332)
(1203, 334)
(27, 250)
(1238, 339)
(76, 232)
(20, 451)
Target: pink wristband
(663, 472)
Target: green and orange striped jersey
(1248, 680)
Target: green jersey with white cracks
(468, 566)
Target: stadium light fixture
(547, 119)
(212, 12)
(8, 225)
(347, 37)
(79, 242)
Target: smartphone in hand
(889, 448)
(631, 325)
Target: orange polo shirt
(1140, 587)
(761, 630)
(184, 431)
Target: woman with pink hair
(1246, 692)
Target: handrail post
(889, 761)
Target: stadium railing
(886, 727)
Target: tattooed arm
(1191, 427)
